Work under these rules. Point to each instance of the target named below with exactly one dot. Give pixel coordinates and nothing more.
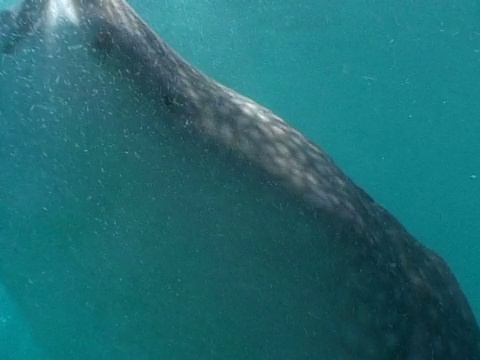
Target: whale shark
(149, 212)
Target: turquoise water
(16, 342)
(390, 89)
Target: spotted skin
(410, 305)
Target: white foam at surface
(61, 10)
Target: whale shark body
(148, 212)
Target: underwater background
(390, 89)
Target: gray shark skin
(117, 143)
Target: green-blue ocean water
(388, 88)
